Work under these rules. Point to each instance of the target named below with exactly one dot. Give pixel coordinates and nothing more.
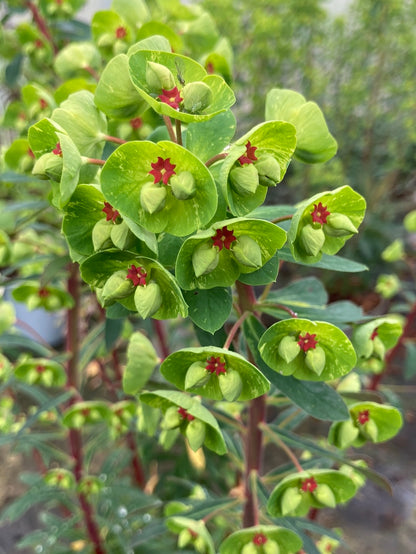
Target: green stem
(169, 127)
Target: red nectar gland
(137, 275)
(121, 32)
(320, 213)
(136, 123)
(57, 150)
(307, 341)
(249, 157)
(171, 97)
(363, 417)
(215, 365)
(110, 213)
(162, 170)
(43, 104)
(374, 334)
(259, 539)
(184, 414)
(223, 238)
(309, 485)
(40, 369)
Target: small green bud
(117, 286)
(244, 179)
(339, 225)
(50, 166)
(101, 234)
(196, 376)
(200, 545)
(195, 433)
(367, 349)
(288, 348)
(168, 437)
(324, 495)
(315, 359)
(346, 434)
(171, 419)
(205, 259)
(249, 548)
(46, 378)
(247, 252)
(379, 348)
(122, 237)
(394, 251)
(183, 185)
(153, 197)
(196, 96)
(290, 500)
(230, 384)
(148, 299)
(106, 40)
(388, 285)
(370, 430)
(159, 77)
(33, 301)
(268, 169)
(271, 547)
(312, 240)
(184, 538)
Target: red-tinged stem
(313, 514)
(33, 332)
(41, 24)
(283, 446)
(138, 471)
(116, 365)
(92, 72)
(169, 127)
(216, 158)
(161, 334)
(279, 307)
(73, 334)
(408, 332)
(117, 140)
(234, 330)
(178, 131)
(282, 218)
(95, 161)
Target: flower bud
(168, 437)
(271, 547)
(346, 434)
(323, 494)
(101, 234)
(147, 299)
(339, 225)
(33, 301)
(312, 240)
(379, 348)
(230, 385)
(288, 348)
(268, 169)
(249, 548)
(291, 498)
(195, 433)
(205, 259)
(200, 545)
(184, 538)
(366, 348)
(106, 40)
(196, 96)
(159, 77)
(247, 252)
(370, 430)
(122, 237)
(196, 376)
(183, 185)
(244, 179)
(49, 165)
(116, 287)
(152, 197)
(315, 359)
(171, 419)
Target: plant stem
(282, 218)
(234, 329)
(283, 446)
(92, 72)
(279, 307)
(138, 471)
(178, 125)
(117, 140)
(41, 24)
(161, 334)
(95, 161)
(169, 127)
(216, 158)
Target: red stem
(138, 471)
(161, 333)
(169, 127)
(95, 161)
(41, 24)
(92, 72)
(216, 158)
(114, 139)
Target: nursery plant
(189, 369)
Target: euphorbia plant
(169, 224)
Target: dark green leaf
(334, 263)
(209, 309)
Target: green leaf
(165, 399)
(287, 541)
(339, 352)
(205, 139)
(71, 86)
(315, 144)
(268, 237)
(175, 367)
(317, 399)
(73, 59)
(263, 276)
(333, 263)
(127, 171)
(222, 96)
(122, 100)
(156, 28)
(135, 12)
(276, 138)
(112, 332)
(209, 309)
(141, 361)
(343, 200)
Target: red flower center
(307, 341)
(309, 484)
(136, 122)
(40, 368)
(38, 43)
(57, 150)
(110, 213)
(42, 103)
(374, 334)
(259, 539)
(162, 170)
(215, 365)
(43, 292)
(184, 414)
(249, 157)
(223, 238)
(137, 275)
(363, 417)
(171, 97)
(85, 412)
(30, 153)
(210, 67)
(121, 32)
(319, 213)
